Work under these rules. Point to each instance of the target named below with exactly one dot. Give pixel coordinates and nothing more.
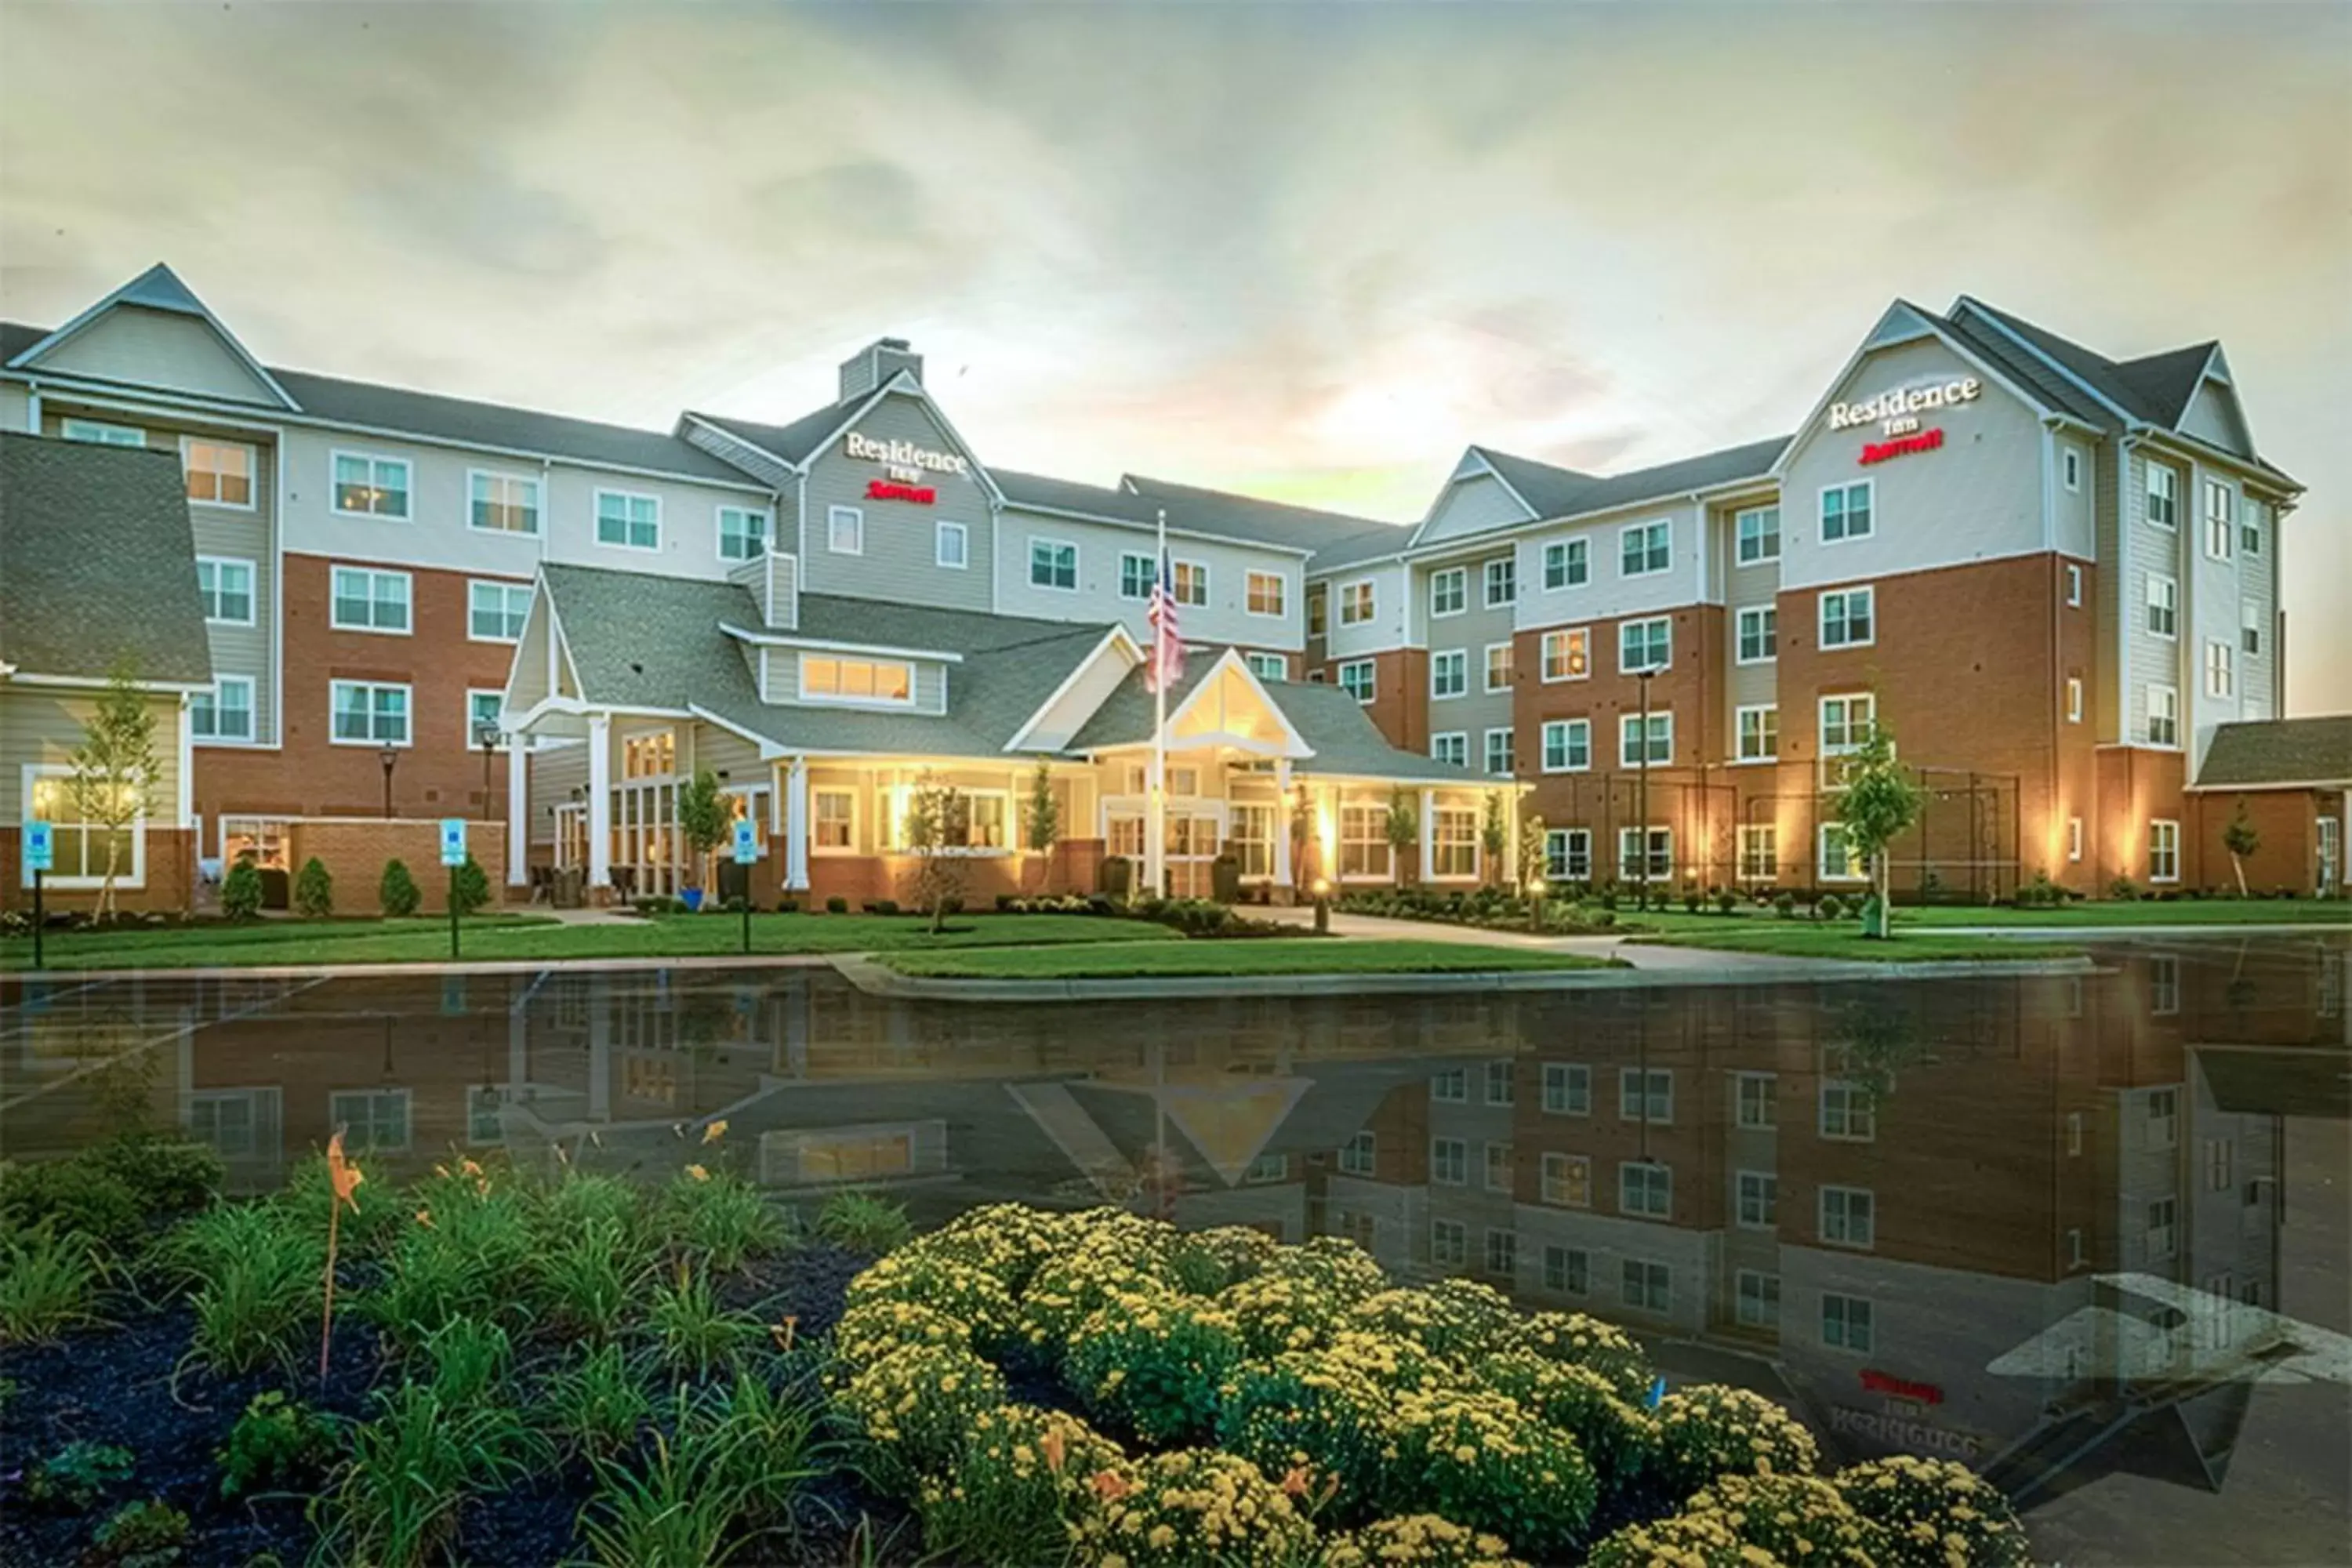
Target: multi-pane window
(2221, 676)
(1449, 1161)
(85, 851)
(1660, 862)
(98, 433)
(1449, 1243)
(1499, 661)
(1449, 591)
(844, 531)
(502, 503)
(1364, 850)
(1566, 745)
(2163, 715)
(835, 811)
(2250, 623)
(220, 472)
(1501, 752)
(1759, 733)
(1502, 576)
(1757, 1199)
(828, 679)
(1453, 848)
(1651, 740)
(1644, 548)
(1845, 511)
(951, 545)
(2220, 518)
(1646, 1096)
(1840, 861)
(1567, 1270)
(1568, 854)
(1266, 594)
(1356, 1156)
(1357, 603)
(485, 714)
(1191, 585)
(495, 612)
(1567, 1088)
(1849, 1216)
(369, 713)
(742, 534)
(1845, 1323)
(2163, 851)
(224, 712)
(1566, 1181)
(1356, 679)
(227, 589)
(2164, 1105)
(1566, 564)
(2218, 1158)
(1646, 1286)
(1267, 666)
(371, 1118)
(1848, 1113)
(2163, 496)
(2163, 605)
(1053, 564)
(1568, 654)
(649, 754)
(1250, 839)
(1502, 1252)
(1759, 851)
(1499, 1166)
(1759, 634)
(1644, 645)
(1449, 673)
(626, 521)
(1451, 747)
(2250, 527)
(1758, 1303)
(1645, 1189)
(1754, 1108)
(370, 486)
(369, 601)
(1759, 532)
(2163, 1230)
(1846, 721)
(1450, 1086)
(1846, 618)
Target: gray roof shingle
(2269, 751)
(792, 442)
(1267, 522)
(90, 528)
(1557, 492)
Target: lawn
(292, 941)
(1843, 939)
(2086, 916)
(1266, 956)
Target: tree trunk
(106, 884)
(2238, 866)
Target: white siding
(141, 347)
(1388, 627)
(1226, 619)
(1607, 591)
(1471, 504)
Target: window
(366, 601)
(1848, 1115)
(1845, 1323)
(835, 814)
(827, 678)
(951, 546)
(218, 472)
(223, 713)
(1502, 759)
(1568, 854)
(1754, 1108)
(1646, 1096)
(2163, 851)
(1265, 593)
(1452, 748)
(1449, 673)
(2163, 1114)
(1849, 1217)
(1364, 841)
(1760, 733)
(1756, 1196)
(1759, 634)
(1499, 1166)
(2220, 518)
(1136, 575)
(502, 503)
(1252, 839)
(97, 433)
(2074, 586)
(844, 531)
(1647, 1287)
(2162, 1231)
(226, 588)
(1266, 1169)
(2070, 467)
(1449, 591)
(1502, 582)
(1661, 862)
(2163, 496)
(2219, 1157)
(1845, 511)
(373, 1118)
(370, 486)
(2074, 1132)
(2221, 678)
(1356, 1156)
(1566, 564)
(1451, 1087)
(1567, 1270)
(1568, 655)
(1449, 1161)
(1356, 603)
(369, 715)
(1840, 861)
(650, 754)
(2076, 1255)
(1566, 1181)
(495, 612)
(1317, 612)
(1453, 848)
(1644, 645)
(1356, 679)
(1502, 1252)
(2250, 621)
(742, 534)
(484, 709)
(2163, 715)
(1499, 661)
(1055, 564)
(2250, 529)
(1191, 583)
(81, 851)
(1644, 548)
(1758, 530)
(1759, 851)
(1660, 751)
(1645, 1190)
(1758, 1303)
(1566, 745)
(1267, 666)
(1846, 618)
(2164, 998)
(1449, 1243)
(2074, 699)
(2163, 605)
(1567, 1088)
(1846, 721)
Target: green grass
(1266, 956)
(295, 941)
(1842, 938)
(2086, 916)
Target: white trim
(1440, 575)
(941, 529)
(1543, 655)
(769, 750)
(1634, 717)
(473, 742)
(1118, 639)
(2148, 715)
(1739, 736)
(1372, 586)
(119, 296)
(252, 588)
(2171, 606)
(816, 792)
(835, 514)
(97, 682)
(1740, 562)
(252, 714)
(538, 483)
(760, 639)
(504, 588)
(335, 455)
(137, 876)
(596, 521)
(1487, 751)
(1295, 744)
(820, 699)
(1486, 675)
(1460, 738)
(767, 541)
(1820, 537)
(252, 471)
(1583, 543)
(1739, 633)
(2174, 824)
(373, 742)
(1848, 871)
(94, 433)
(1436, 654)
(1627, 625)
(1487, 600)
(408, 600)
(1869, 593)
(1030, 567)
(1371, 687)
(1543, 745)
(1644, 528)
(1281, 593)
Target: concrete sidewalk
(1609, 945)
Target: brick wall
(2286, 822)
(170, 887)
(355, 851)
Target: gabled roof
(84, 527)
(1042, 490)
(2272, 752)
(792, 443)
(1558, 493)
(157, 289)
(1337, 730)
(1265, 521)
(2163, 384)
(1547, 487)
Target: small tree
(1494, 835)
(934, 811)
(397, 891)
(314, 890)
(1531, 851)
(1042, 821)
(1879, 801)
(1404, 826)
(704, 821)
(2240, 839)
(470, 888)
(241, 889)
(114, 770)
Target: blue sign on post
(453, 841)
(747, 841)
(40, 847)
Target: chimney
(876, 363)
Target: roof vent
(876, 363)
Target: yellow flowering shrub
(1341, 1269)
(1447, 1325)
(1619, 1439)
(877, 1326)
(1308, 1410)
(1934, 1513)
(1195, 1507)
(1679, 1541)
(1207, 1261)
(919, 1404)
(1420, 1539)
(1279, 1312)
(1581, 1340)
(1010, 1241)
(1802, 1521)
(1069, 1289)
(1022, 1487)
(1479, 1460)
(1400, 1364)
(1151, 1363)
(1709, 1430)
(970, 1295)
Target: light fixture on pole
(486, 735)
(390, 758)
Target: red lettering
(1879, 451)
(890, 489)
(1902, 1388)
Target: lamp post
(1642, 803)
(1535, 904)
(390, 758)
(486, 735)
(1322, 891)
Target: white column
(1282, 873)
(600, 801)
(517, 812)
(599, 1048)
(1511, 873)
(796, 826)
(1155, 828)
(186, 803)
(1428, 834)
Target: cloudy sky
(1307, 250)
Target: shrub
(277, 1444)
(314, 890)
(241, 889)
(1725, 899)
(1026, 1475)
(1279, 1312)
(871, 1330)
(692, 1331)
(1422, 1539)
(720, 1216)
(837, 905)
(470, 888)
(1708, 1431)
(1784, 904)
(166, 1175)
(1445, 1324)
(256, 1276)
(1688, 1541)
(1802, 1521)
(397, 890)
(918, 1406)
(49, 1283)
(1151, 1363)
(970, 1295)
(394, 1500)
(1691, 900)
(1601, 1348)
(140, 1535)
(1932, 1512)
(1068, 1291)
(1195, 1509)
(1478, 1459)
(594, 1402)
(1332, 1411)
(864, 1223)
(1206, 1261)
(1343, 1270)
(73, 1195)
(1011, 1241)
(1619, 1439)
(2123, 887)
(1828, 907)
(75, 1477)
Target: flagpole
(1155, 826)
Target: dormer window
(827, 678)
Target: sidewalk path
(1639, 955)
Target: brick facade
(355, 851)
(169, 883)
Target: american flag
(1166, 666)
